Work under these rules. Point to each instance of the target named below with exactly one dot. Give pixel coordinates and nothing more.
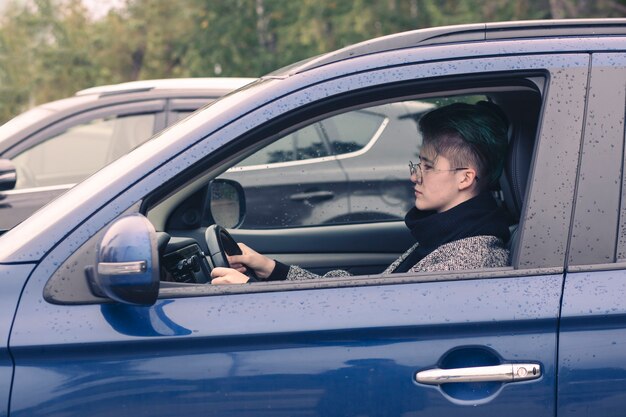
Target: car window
(599, 226)
(348, 168)
(73, 155)
(177, 116)
(303, 144)
(340, 134)
(350, 132)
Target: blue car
(105, 301)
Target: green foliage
(51, 48)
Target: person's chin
(420, 204)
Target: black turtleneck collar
(478, 216)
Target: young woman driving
(456, 221)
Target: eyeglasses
(416, 169)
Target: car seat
(514, 179)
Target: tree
(51, 48)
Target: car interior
(323, 248)
(196, 225)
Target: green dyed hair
(469, 134)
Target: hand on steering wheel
(221, 245)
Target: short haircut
(469, 134)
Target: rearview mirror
(8, 175)
(227, 203)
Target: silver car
(46, 150)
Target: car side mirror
(227, 203)
(8, 175)
(127, 262)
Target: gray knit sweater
(474, 252)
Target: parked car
(343, 169)
(105, 306)
(55, 145)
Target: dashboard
(183, 261)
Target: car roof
(464, 33)
(214, 83)
(31, 120)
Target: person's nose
(415, 178)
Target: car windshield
(23, 120)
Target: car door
(351, 346)
(67, 151)
(592, 358)
(12, 279)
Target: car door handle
(312, 195)
(510, 372)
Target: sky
(3, 4)
(98, 8)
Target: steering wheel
(220, 244)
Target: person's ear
(467, 178)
